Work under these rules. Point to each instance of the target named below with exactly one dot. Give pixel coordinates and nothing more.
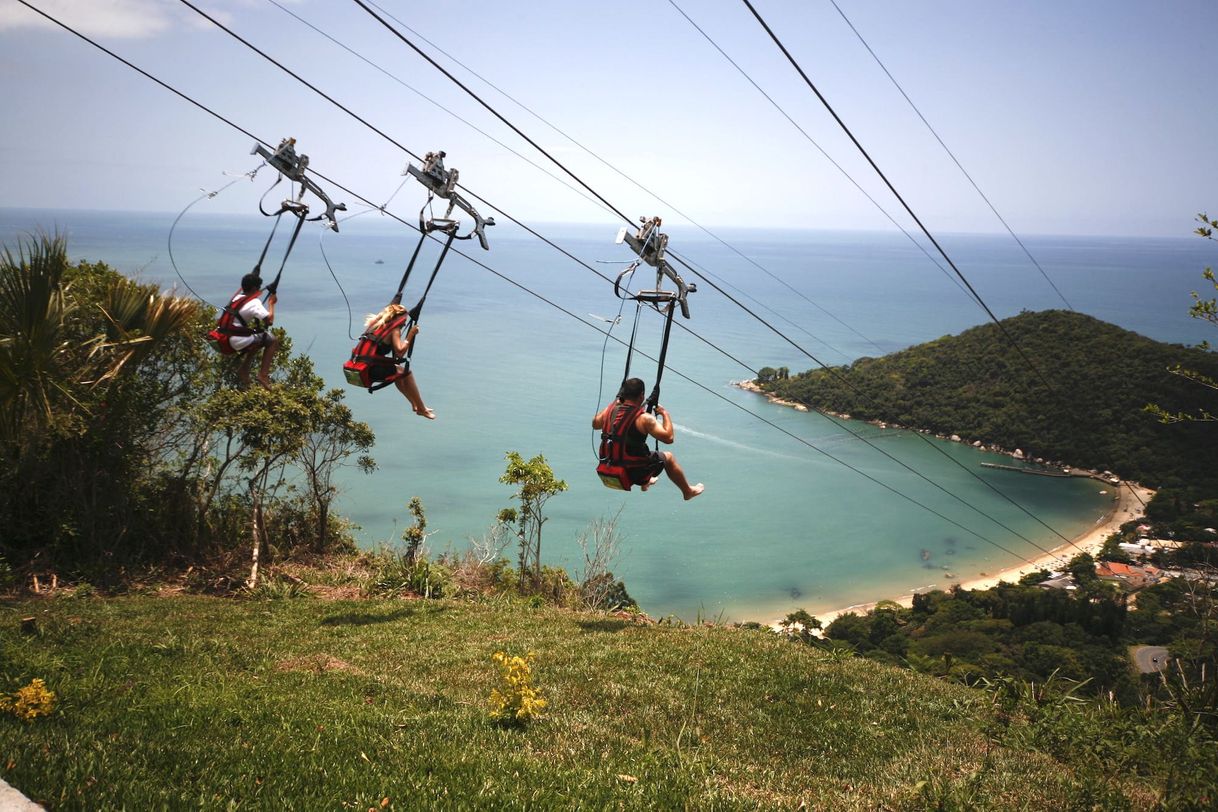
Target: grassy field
(184, 702)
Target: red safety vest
(372, 365)
(618, 455)
(231, 324)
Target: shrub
(515, 700)
(30, 702)
(399, 573)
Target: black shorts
(644, 472)
(380, 372)
(260, 340)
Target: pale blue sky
(1080, 117)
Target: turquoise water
(781, 526)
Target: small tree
(537, 484)
(416, 534)
(333, 437)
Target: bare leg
(243, 371)
(268, 353)
(409, 387)
(677, 475)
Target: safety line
(819, 148)
(952, 155)
(671, 206)
(436, 104)
(490, 109)
(898, 196)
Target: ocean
(782, 525)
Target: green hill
(196, 702)
(977, 386)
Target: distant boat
(379, 262)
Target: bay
(782, 525)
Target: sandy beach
(1127, 504)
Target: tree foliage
(975, 386)
(122, 441)
(537, 484)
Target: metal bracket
(650, 245)
(442, 182)
(292, 166)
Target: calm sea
(781, 525)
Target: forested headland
(1074, 391)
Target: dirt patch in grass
(339, 592)
(317, 664)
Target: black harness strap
(416, 311)
(654, 398)
(300, 219)
(397, 297)
(265, 248)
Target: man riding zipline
(626, 459)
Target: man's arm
(660, 428)
(270, 308)
(601, 418)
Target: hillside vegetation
(186, 701)
(977, 385)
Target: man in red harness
(254, 320)
(628, 419)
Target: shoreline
(1127, 505)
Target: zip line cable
(531, 292)
(896, 194)
(659, 198)
(605, 278)
(489, 109)
(206, 195)
(952, 155)
(435, 103)
(820, 149)
(1006, 334)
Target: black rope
(490, 109)
(397, 297)
(272, 288)
(1010, 339)
(267, 246)
(952, 155)
(417, 311)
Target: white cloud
(131, 19)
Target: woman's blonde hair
(377, 320)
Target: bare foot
(428, 413)
(264, 382)
(649, 483)
(694, 490)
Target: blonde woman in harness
(626, 425)
(389, 354)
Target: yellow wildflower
(515, 700)
(29, 702)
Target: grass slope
(304, 704)
(978, 386)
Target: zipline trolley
(369, 366)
